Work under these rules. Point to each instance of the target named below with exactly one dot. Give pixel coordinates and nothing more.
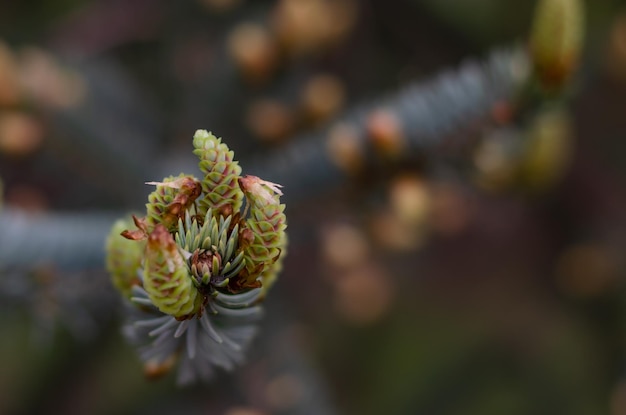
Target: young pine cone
(198, 266)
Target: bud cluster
(198, 265)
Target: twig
(453, 105)
(67, 240)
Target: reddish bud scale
(169, 201)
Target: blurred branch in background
(422, 118)
(70, 240)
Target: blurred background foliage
(485, 277)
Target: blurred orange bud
(154, 370)
(385, 130)
(47, 82)
(392, 233)
(21, 134)
(306, 26)
(10, 90)
(410, 200)
(497, 159)
(344, 245)
(345, 148)
(254, 50)
(270, 120)
(364, 294)
(323, 96)
(284, 392)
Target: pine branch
(450, 105)
(426, 115)
(429, 114)
(66, 240)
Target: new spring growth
(207, 248)
(556, 41)
(266, 224)
(172, 197)
(166, 276)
